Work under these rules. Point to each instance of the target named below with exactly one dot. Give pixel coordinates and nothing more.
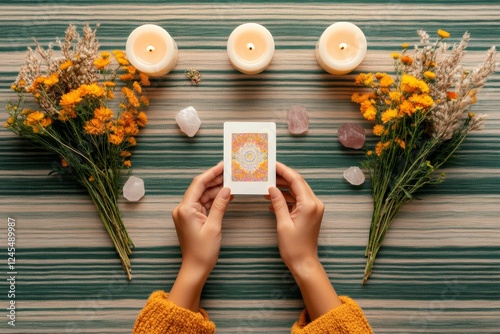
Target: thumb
(279, 204)
(219, 205)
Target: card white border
(250, 188)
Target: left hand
(199, 233)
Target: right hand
(299, 214)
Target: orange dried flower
(407, 60)
(142, 119)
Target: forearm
(187, 288)
(317, 292)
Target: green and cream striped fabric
(439, 271)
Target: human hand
(299, 214)
(199, 233)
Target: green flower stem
(105, 198)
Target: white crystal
(354, 176)
(133, 190)
(188, 121)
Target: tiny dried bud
(194, 75)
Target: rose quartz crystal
(351, 135)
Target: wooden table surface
(439, 271)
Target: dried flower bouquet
(64, 105)
(422, 116)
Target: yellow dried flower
(386, 81)
(115, 139)
(137, 87)
(144, 79)
(389, 115)
(473, 95)
(103, 113)
(410, 84)
(378, 148)
(395, 96)
(131, 69)
(9, 122)
(407, 60)
(423, 101)
(91, 90)
(101, 63)
(34, 118)
(405, 45)
(443, 33)
(400, 142)
(126, 77)
(378, 129)
(132, 141)
(365, 79)
(132, 99)
(94, 127)
(395, 55)
(144, 100)
(46, 122)
(67, 64)
(429, 75)
(142, 119)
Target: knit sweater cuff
(163, 316)
(347, 318)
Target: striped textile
(439, 271)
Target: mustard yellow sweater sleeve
(162, 316)
(345, 319)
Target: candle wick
(150, 48)
(250, 46)
(343, 46)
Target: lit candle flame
(343, 46)
(150, 48)
(250, 47)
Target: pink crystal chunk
(298, 120)
(352, 135)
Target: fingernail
(273, 192)
(225, 193)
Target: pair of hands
(198, 218)
(198, 222)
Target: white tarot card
(249, 157)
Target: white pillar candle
(152, 50)
(250, 48)
(341, 48)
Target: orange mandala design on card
(249, 157)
